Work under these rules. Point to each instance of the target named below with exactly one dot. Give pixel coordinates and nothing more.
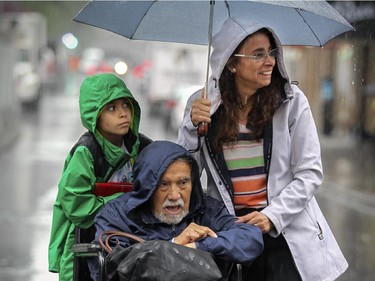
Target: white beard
(172, 219)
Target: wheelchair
(84, 249)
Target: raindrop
(191, 256)
(184, 267)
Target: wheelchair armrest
(86, 249)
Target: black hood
(150, 166)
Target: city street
(30, 169)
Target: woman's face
(251, 74)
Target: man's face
(171, 199)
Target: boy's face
(114, 120)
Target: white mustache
(169, 203)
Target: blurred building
(339, 79)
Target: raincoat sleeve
(78, 202)
(112, 217)
(236, 242)
(187, 133)
(305, 167)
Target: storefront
(339, 79)
(361, 14)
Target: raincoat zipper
(320, 235)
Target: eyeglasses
(260, 56)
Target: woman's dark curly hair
(264, 102)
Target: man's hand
(200, 111)
(258, 219)
(193, 233)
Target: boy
(105, 153)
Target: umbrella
(308, 23)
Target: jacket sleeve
(187, 133)
(79, 204)
(112, 217)
(236, 242)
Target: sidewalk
(349, 163)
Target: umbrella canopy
(308, 23)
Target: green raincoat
(76, 205)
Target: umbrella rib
(312, 31)
(139, 23)
(228, 8)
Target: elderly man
(167, 203)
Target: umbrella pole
(210, 24)
(203, 127)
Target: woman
(262, 154)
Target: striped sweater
(245, 162)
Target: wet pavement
(30, 169)
(347, 198)
(349, 162)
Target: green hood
(98, 90)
